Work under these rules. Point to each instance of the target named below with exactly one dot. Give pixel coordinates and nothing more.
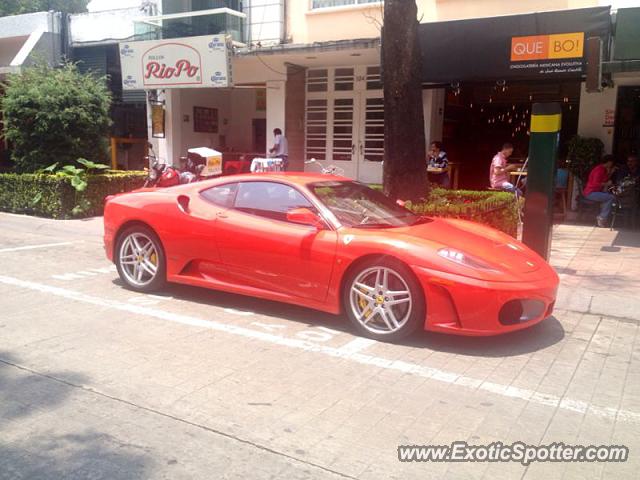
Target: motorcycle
(163, 175)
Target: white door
(370, 137)
(345, 121)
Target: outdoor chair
(626, 206)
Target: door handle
(353, 149)
(221, 214)
(361, 149)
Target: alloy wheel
(381, 300)
(138, 259)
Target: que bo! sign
(543, 47)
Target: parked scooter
(163, 175)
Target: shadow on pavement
(540, 336)
(627, 238)
(259, 306)
(32, 417)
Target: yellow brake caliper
(366, 311)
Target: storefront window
(339, 3)
(374, 79)
(343, 79)
(316, 144)
(317, 80)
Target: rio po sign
(193, 62)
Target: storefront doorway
(345, 120)
(480, 117)
(627, 130)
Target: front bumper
(468, 306)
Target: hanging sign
(529, 46)
(192, 62)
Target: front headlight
(464, 259)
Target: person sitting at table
(437, 158)
(630, 169)
(499, 171)
(596, 188)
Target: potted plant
(583, 154)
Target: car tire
(386, 310)
(140, 259)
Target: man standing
(499, 172)
(280, 148)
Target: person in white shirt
(280, 148)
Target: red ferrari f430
(331, 244)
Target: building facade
(312, 68)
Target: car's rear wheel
(140, 259)
(383, 300)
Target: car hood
(496, 248)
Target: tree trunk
(405, 172)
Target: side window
(269, 199)
(221, 195)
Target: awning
(627, 35)
(532, 46)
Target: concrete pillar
(168, 149)
(276, 95)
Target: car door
(260, 248)
(193, 238)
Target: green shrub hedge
(53, 196)
(496, 209)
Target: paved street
(97, 381)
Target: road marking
(356, 345)
(90, 272)
(33, 247)
(361, 358)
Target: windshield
(356, 205)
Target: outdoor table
(267, 165)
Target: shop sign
(531, 46)
(548, 54)
(192, 62)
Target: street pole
(546, 120)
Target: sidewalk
(599, 270)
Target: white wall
(591, 116)
(204, 97)
(243, 111)
(433, 110)
(594, 105)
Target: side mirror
(183, 203)
(304, 216)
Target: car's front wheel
(140, 259)
(383, 300)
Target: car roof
(297, 178)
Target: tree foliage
(55, 115)
(17, 7)
(405, 171)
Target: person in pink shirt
(597, 184)
(499, 172)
